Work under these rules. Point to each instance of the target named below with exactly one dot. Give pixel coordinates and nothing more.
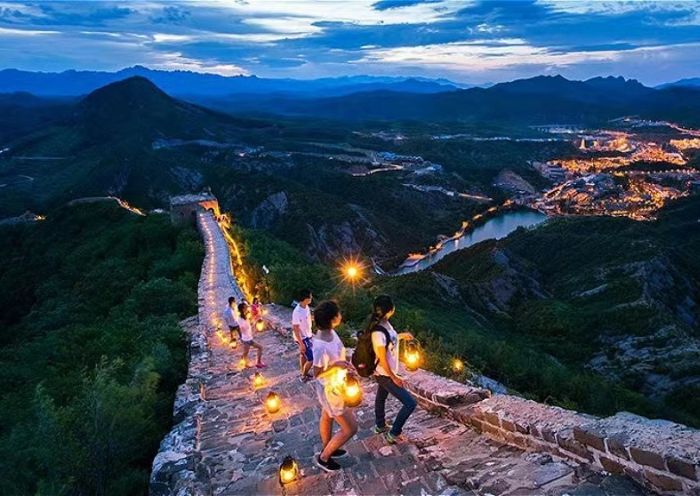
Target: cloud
(397, 4)
(463, 39)
(10, 32)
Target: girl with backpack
(385, 344)
(330, 367)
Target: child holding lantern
(247, 336)
(330, 370)
(385, 342)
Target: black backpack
(364, 358)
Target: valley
(449, 217)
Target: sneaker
(305, 378)
(380, 430)
(339, 453)
(329, 466)
(261, 365)
(392, 439)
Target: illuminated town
(631, 172)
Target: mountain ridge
(74, 83)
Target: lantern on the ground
(260, 325)
(273, 402)
(352, 392)
(258, 380)
(412, 356)
(457, 365)
(289, 470)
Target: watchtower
(184, 208)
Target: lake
(496, 228)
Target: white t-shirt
(246, 330)
(392, 351)
(302, 317)
(327, 353)
(327, 388)
(231, 316)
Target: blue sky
(467, 41)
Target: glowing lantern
(457, 365)
(352, 392)
(234, 343)
(352, 271)
(412, 356)
(260, 325)
(289, 470)
(258, 380)
(273, 402)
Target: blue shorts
(309, 354)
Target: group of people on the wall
(322, 358)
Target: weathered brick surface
(229, 445)
(648, 458)
(612, 466)
(682, 467)
(590, 437)
(662, 482)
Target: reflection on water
(496, 228)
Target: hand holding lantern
(412, 356)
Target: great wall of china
(463, 440)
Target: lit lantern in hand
(234, 343)
(289, 470)
(412, 356)
(260, 325)
(352, 392)
(457, 366)
(258, 380)
(273, 402)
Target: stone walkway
(240, 446)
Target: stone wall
(661, 455)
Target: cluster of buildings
(622, 182)
(636, 197)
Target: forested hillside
(91, 351)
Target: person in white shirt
(385, 342)
(301, 328)
(247, 340)
(231, 318)
(330, 369)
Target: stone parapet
(662, 456)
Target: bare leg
(306, 368)
(246, 349)
(325, 427)
(259, 349)
(348, 428)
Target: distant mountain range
(538, 100)
(180, 83)
(687, 83)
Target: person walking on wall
(385, 341)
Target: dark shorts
(235, 329)
(248, 344)
(309, 354)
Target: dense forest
(91, 350)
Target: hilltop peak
(125, 99)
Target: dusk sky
(466, 41)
